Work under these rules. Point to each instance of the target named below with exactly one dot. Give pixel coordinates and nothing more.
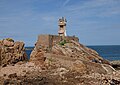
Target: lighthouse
(62, 27)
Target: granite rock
(11, 52)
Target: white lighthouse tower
(62, 27)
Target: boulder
(116, 64)
(8, 43)
(11, 52)
(19, 46)
(37, 57)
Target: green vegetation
(10, 39)
(62, 42)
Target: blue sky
(95, 22)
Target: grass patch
(62, 42)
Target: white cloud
(66, 2)
(100, 8)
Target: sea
(108, 52)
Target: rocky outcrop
(116, 64)
(11, 52)
(79, 58)
(72, 55)
(37, 57)
(76, 50)
(68, 63)
(30, 74)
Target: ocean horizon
(108, 52)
